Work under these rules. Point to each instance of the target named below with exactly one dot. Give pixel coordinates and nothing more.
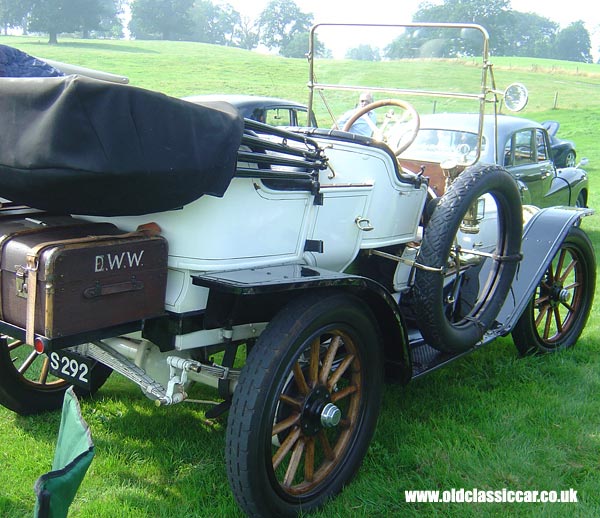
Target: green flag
(56, 490)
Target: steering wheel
(398, 130)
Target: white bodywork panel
(254, 225)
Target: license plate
(71, 367)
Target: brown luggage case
(87, 276)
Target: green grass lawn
(488, 421)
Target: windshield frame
(484, 93)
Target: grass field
(488, 421)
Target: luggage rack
(47, 345)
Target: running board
(426, 359)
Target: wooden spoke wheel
(26, 385)
(305, 407)
(559, 308)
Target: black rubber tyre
(27, 388)
(454, 311)
(285, 453)
(558, 310)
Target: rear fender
(542, 237)
(257, 294)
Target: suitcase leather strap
(33, 264)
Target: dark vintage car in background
(523, 147)
(563, 151)
(270, 110)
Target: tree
(495, 15)
(56, 16)
(403, 46)
(13, 13)
(364, 53)
(215, 23)
(573, 43)
(109, 20)
(280, 22)
(248, 34)
(435, 43)
(297, 47)
(161, 19)
(530, 35)
(101, 17)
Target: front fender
(542, 237)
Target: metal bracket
(410, 262)
(21, 281)
(313, 245)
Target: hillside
(186, 68)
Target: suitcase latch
(21, 281)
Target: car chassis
(338, 266)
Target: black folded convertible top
(78, 145)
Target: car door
(527, 157)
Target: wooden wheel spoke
(15, 345)
(290, 401)
(572, 286)
(541, 300)
(44, 372)
(548, 323)
(568, 307)
(286, 423)
(327, 450)
(559, 265)
(292, 468)
(339, 372)
(568, 270)
(558, 320)
(543, 312)
(28, 362)
(285, 447)
(313, 376)
(300, 379)
(345, 392)
(345, 423)
(309, 460)
(329, 357)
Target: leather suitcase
(61, 276)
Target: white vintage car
(307, 261)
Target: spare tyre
(468, 258)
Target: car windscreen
(437, 145)
(436, 69)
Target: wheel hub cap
(559, 295)
(319, 412)
(564, 295)
(330, 415)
